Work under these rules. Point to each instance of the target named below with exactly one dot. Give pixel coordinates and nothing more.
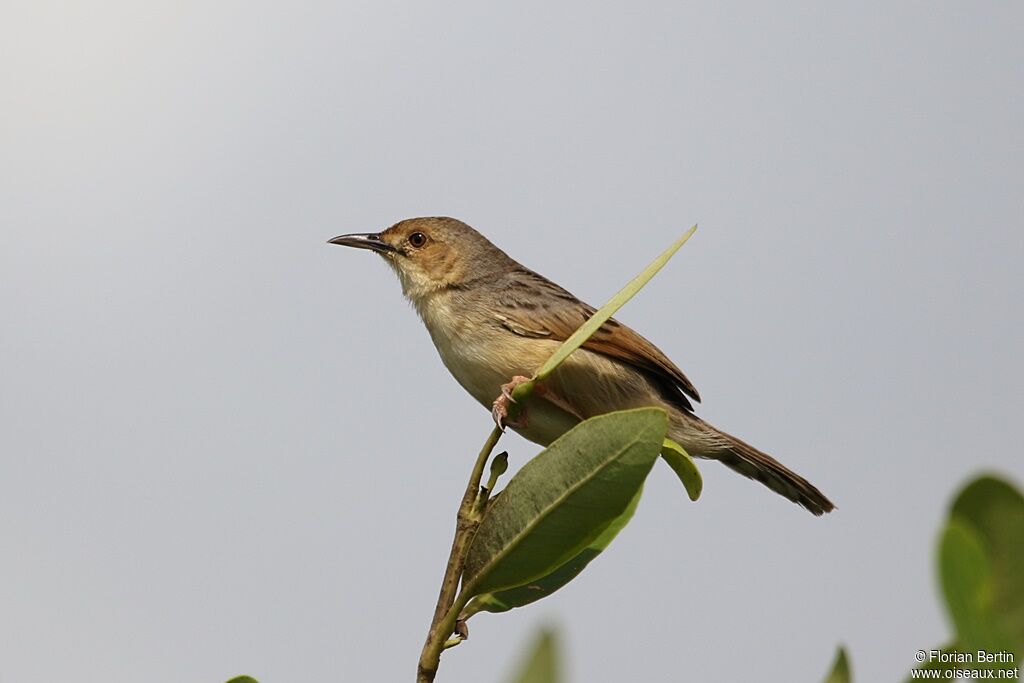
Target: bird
(495, 321)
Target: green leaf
(684, 467)
(602, 315)
(840, 672)
(563, 499)
(502, 601)
(966, 577)
(994, 509)
(981, 572)
(541, 665)
(243, 679)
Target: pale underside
(484, 348)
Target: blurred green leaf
(243, 679)
(966, 576)
(966, 580)
(608, 310)
(563, 499)
(541, 664)
(840, 672)
(981, 572)
(684, 467)
(502, 601)
(994, 509)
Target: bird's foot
(500, 408)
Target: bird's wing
(533, 306)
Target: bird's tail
(741, 457)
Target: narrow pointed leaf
(840, 672)
(502, 601)
(542, 663)
(684, 467)
(563, 499)
(602, 315)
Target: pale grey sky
(226, 446)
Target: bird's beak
(369, 240)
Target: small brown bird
(493, 320)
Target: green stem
(449, 603)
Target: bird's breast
(479, 353)
(482, 355)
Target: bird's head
(431, 254)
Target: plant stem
(466, 525)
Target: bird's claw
(500, 408)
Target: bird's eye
(417, 239)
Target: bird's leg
(499, 410)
